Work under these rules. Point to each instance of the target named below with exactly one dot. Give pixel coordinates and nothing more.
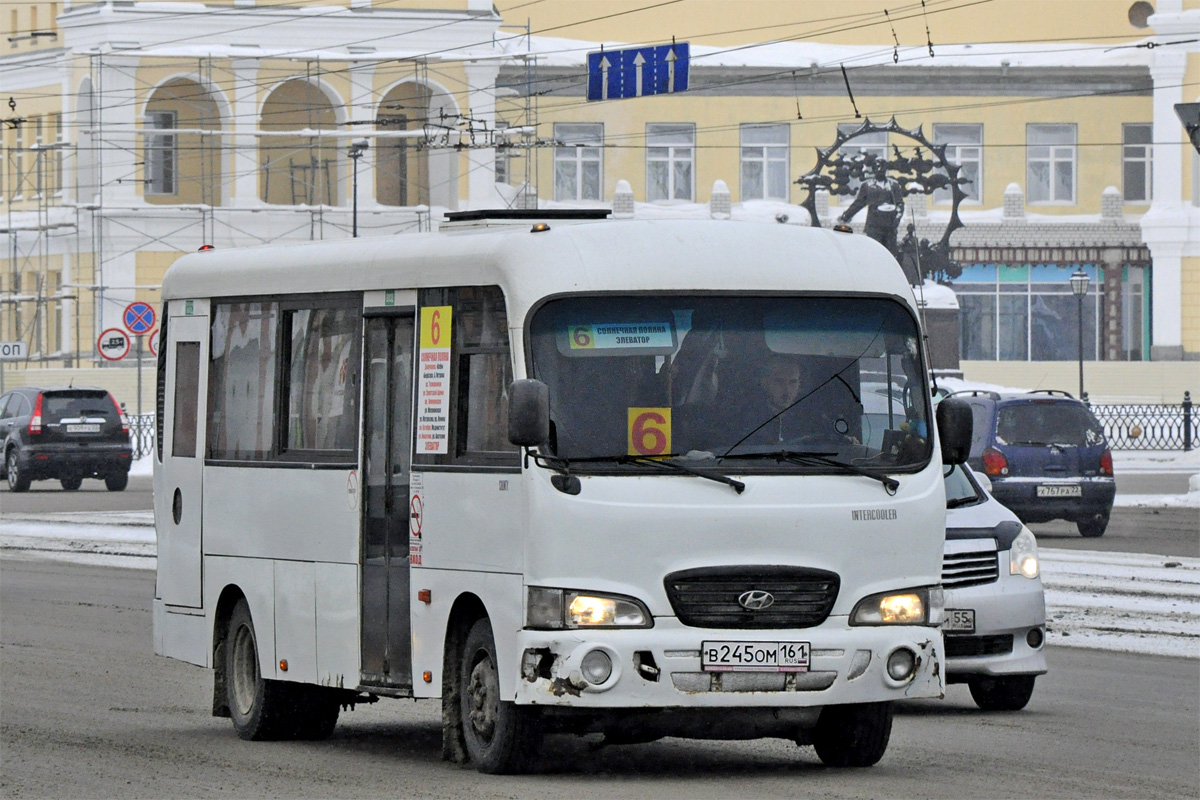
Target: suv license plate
(1060, 491)
(959, 620)
(754, 656)
(87, 427)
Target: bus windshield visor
(755, 383)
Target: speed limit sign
(113, 344)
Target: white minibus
(566, 475)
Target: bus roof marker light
(539, 227)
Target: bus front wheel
(853, 735)
(500, 737)
(265, 709)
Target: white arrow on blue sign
(638, 72)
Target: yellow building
(138, 132)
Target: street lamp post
(1079, 287)
(357, 148)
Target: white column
(1170, 228)
(117, 107)
(481, 108)
(244, 145)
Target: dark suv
(69, 434)
(1045, 455)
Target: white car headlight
(1023, 556)
(556, 609)
(913, 607)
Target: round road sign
(138, 318)
(113, 344)
(152, 342)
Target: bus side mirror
(954, 430)
(528, 412)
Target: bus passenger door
(177, 485)
(387, 449)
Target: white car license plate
(754, 656)
(959, 620)
(84, 427)
(1060, 491)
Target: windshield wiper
(563, 465)
(959, 502)
(808, 458)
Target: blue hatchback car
(1046, 456)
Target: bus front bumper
(661, 667)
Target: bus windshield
(758, 383)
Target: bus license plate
(959, 620)
(87, 427)
(1060, 491)
(754, 656)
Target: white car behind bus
(995, 619)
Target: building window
(577, 161)
(1027, 312)
(1050, 163)
(160, 153)
(964, 146)
(670, 161)
(765, 162)
(1136, 141)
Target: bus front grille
(759, 598)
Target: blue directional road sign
(139, 318)
(638, 72)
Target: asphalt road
(88, 711)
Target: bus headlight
(555, 609)
(1023, 556)
(913, 607)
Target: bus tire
(316, 712)
(853, 735)
(501, 737)
(259, 708)
(1010, 693)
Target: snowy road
(1112, 601)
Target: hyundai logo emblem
(756, 600)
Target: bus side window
(241, 384)
(481, 372)
(323, 379)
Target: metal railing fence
(1150, 426)
(1128, 426)
(141, 434)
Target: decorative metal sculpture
(881, 184)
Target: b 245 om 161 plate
(754, 656)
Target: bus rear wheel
(853, 735)
(265, 709)
(500, 737)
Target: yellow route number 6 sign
(649, 431)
